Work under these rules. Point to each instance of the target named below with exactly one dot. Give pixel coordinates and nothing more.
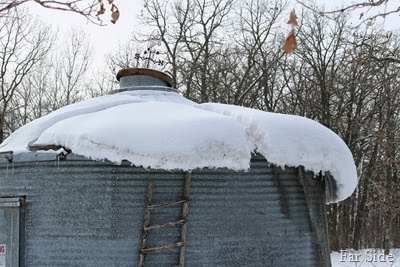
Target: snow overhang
(163, 130)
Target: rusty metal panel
(87, 213)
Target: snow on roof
(163, 130)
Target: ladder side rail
(185, 215)
(146, 222)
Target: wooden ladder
(183, 222)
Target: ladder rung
(157, 226)
(156, 249)
(175, 202)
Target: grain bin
(144, 177)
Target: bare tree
(61, 80)
(321, 46)
(73, 60)
(23, 44)
(191, 32)
(171, 22)
(203, 43)
(32, 99)
(261, 51)
(215, 57)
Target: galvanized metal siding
(250, 218)
(85, 213)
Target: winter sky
(106, 38)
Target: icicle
(7, 170)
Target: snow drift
(163, 130)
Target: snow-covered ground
(163, 130)
(365, 258)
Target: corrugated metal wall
(86, 213)
(249, 219)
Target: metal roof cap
(143, 79)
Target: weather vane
(149, 54)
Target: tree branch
(357, 6)
(90, 9)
